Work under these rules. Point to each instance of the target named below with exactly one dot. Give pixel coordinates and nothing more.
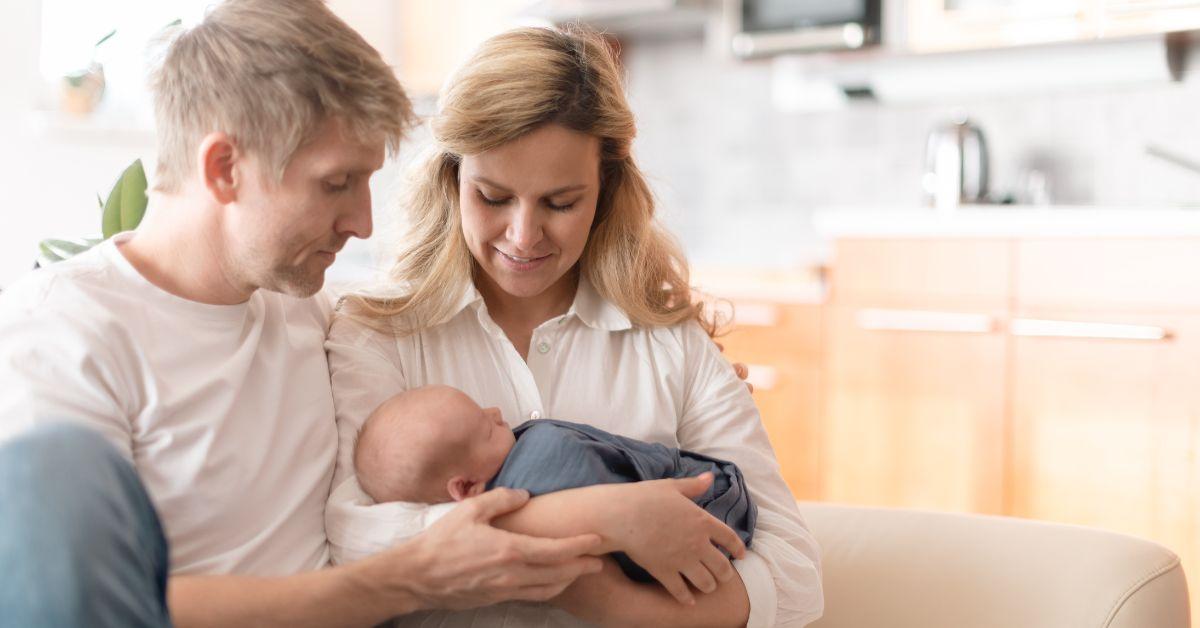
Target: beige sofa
(893, 568)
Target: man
(174, 379)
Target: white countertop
(1007, 221)
(801, 285)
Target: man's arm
(459, 562)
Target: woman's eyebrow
(554, 192)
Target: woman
(536, 279)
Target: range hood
(820, 82)
(626, 17)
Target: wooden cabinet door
(941, 25)
(1106, 413)
(914, 411)
(781, 345)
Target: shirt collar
(589, 307)
(595, 311)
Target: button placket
(541, 362)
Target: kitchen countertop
(803, 285)
(1007, 221)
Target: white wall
(50, 171)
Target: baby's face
(480, 437)
(490, 440)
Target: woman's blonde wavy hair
(516, 82)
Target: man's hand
(463, 562)
(686, 547)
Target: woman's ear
(216, 160)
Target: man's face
(284, 236)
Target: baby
(435, 444)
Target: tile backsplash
(738, 179)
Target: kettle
(956, 165)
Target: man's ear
(217, 157)
(461, 488)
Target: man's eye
(337, 186)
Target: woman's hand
(667, 534)
(463, 562)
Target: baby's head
(430, 445)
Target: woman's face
(527, 208)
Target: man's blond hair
(269, 73)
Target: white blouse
(668, 385)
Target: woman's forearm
(586, 510)
(609, 598)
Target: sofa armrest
(907, 568)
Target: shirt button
(535, 415)
(543, 347)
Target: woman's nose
(525, 228)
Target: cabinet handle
(923, 320)
(1078, 329)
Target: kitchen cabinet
(780, 344)
(1051, 378)
(1105, 410)
(943, 25)
(914, 374)
(1137, 17)
(1105, 402)
(914, 409)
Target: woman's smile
(522, 264)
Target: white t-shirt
(225, 411)
(667, 385)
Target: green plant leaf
(48, 254)
(100, 202)
(105, 38)
(133, 195)
(110, 219)
(65, 246)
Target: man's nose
(356, 221)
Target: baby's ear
(461, 488)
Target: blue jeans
(80, 543)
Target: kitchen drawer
(934, 273)
(1115, 274)
(765, 331)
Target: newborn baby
(435, 444)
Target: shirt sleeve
(364, 370)
(56, 366)
(782, 572)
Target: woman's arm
(656, 523)
(782, 569)
(609, 598)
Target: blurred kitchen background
(961, 237)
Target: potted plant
(122, 211)
(83, 89)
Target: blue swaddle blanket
(552, 455)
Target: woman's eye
(560, 208)
(494, 202)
